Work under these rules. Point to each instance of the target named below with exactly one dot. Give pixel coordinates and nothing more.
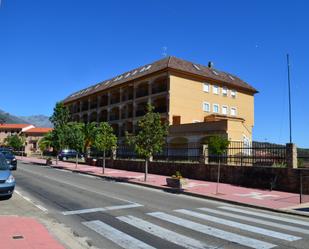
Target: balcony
(104, 100)
(93, 105)
(103, 116)
(141, 90)
(159, 85)
(114, 114)
(85, 106)
(115, 97)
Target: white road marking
(264, 215)
(263, 222)
(242, 226)
(122, 239)
(163, 233)
(89, 176)
(75, 185)
(257, 195)
(32, 202)
(242, 240)
(92, 210)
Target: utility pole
(289, 88)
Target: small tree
(60, 119)
(150, 138)
(74, 138)
(15, 141)
(90, 130)
(60, 115)
(105, 140)
(46, 142)
(217, 146)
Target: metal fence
(253, 154)
(303, 158)
(191, 153)
(238, 153)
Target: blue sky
(51, 48)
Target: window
(224, 91)
(196, 67)
(206, 87)
(233, 111)
(224, 110)
(215, 108)
(206, 107)
(233, 93)
(215, 89)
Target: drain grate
(17, 237)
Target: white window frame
(231, 111)
(206, 87)
(224, 89)
(213, 108)
(233, 93)
(215, 87)
(206, 103)
(227, 109)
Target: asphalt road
(119, 215)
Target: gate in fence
(304, 188)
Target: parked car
(10, 158)
(68, 153)
(7, 180)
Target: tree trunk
(103, 166)
(218, 176)
(76, 162)
(146, 169)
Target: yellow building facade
(195, 100)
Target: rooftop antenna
(164, 50)
(289, 89)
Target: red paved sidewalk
(249, 196)
(25, 233)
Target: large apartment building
(195, 100)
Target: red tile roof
(14, 126)
(170, 62)
(38, 130)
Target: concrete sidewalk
(275, 200)
(25, 232)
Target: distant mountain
(36, 120)
(6, 117)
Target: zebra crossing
(263, 230)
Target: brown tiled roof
(14, 126)
(168, 62)
(38, 130)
